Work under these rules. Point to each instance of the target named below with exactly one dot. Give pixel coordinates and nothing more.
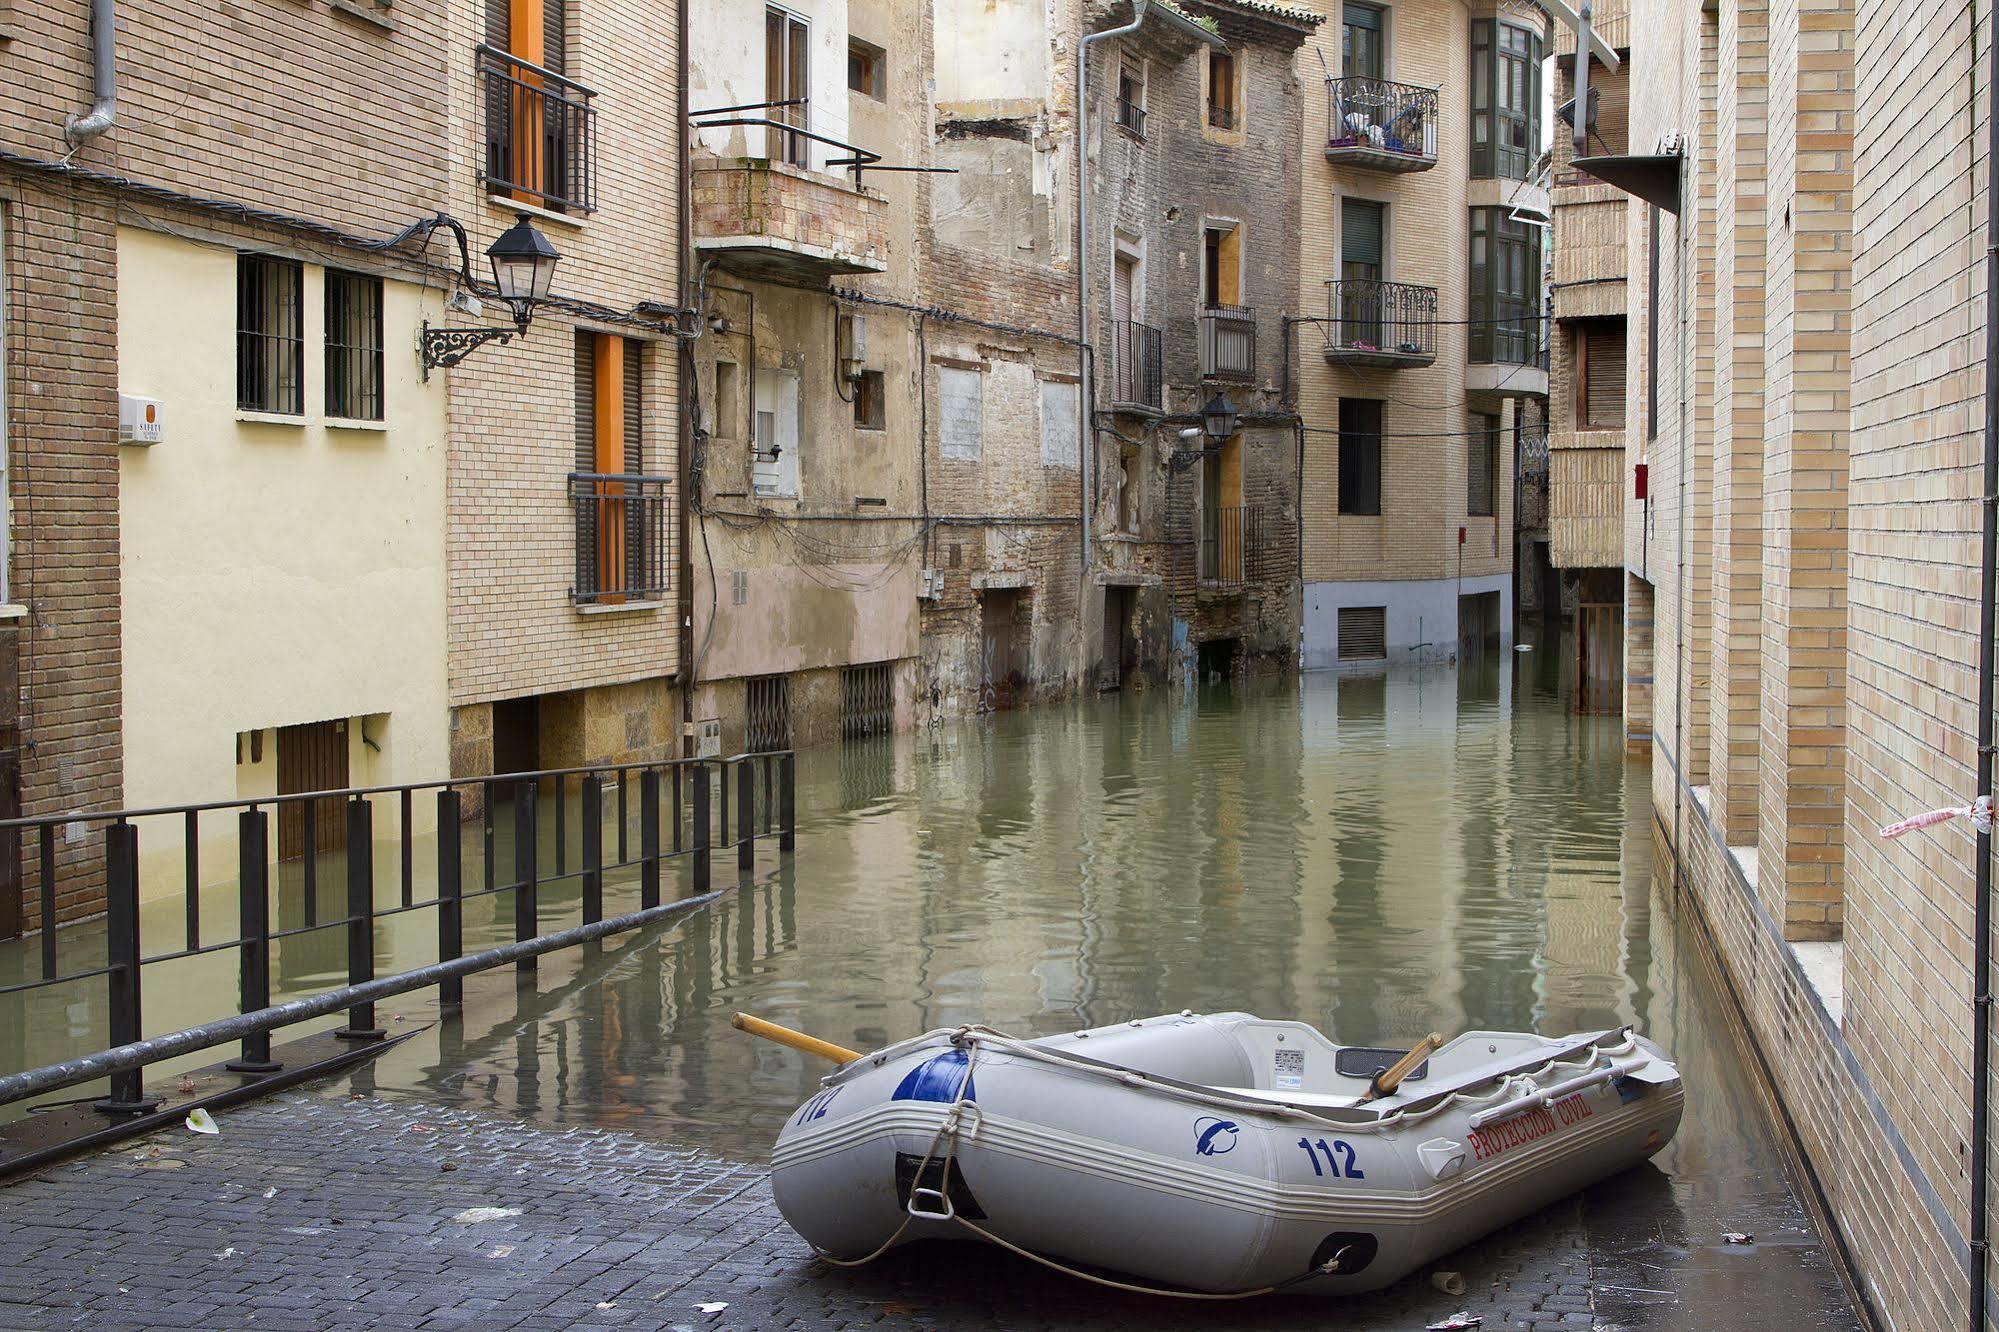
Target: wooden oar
(797, 1040)
(1386, 1081)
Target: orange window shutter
(527, 41)
(609, 404)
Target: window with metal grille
(1481, 466)
(1360, 456)
(1131, 96)
(1221, 90)
(867, 700)
(353, 345)
(1363, 633)
(766, 713)
(270, 335)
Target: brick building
(1419, 344)
(1803, 335)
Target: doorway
(1478, 625)
(1003, 653)
(1120, 654)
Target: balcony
(1228, 343)
(1388, 324)
(1131, 116)
(1381, 126)
(624, 538)
(541, 134)
(1138, 375)
(770, 217)
(1231, 545)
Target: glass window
(353, 346)
(1505, 307)
(867, 70)
(1360, 42)
(270, 335)
(1360, 456)
(1505, 99)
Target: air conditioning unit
(850, 343)
(706, 735)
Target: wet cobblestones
(310, 1213)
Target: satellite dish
(1566, 112)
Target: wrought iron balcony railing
(541, 134)
(1228, 343)
(1138, 374)
(1131, 116)
(1381, 125)
(624, 537)
(1369, 322)
(1231, 545)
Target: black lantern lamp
(523, 271)
(1218, 418)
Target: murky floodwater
(1381, 856)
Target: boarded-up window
(1363, 632)
(1600, 376)
(1058, 424)
(961, 413)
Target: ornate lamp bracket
(445, 347)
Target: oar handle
(797, 1040)
(1386, 1081)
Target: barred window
(270, 335)
(353, 345)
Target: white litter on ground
(472, 1216)
(200, 1121)
(713, 1306)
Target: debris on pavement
(200, 1121)
(607, 1304)
(1460, 1319)
(472, 1216)
(1737, 1237)
(712, 1306)
(1450, 1283)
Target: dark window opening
(1360, 456)
(1652, 333)
(353, 346)
(871, 401)
(1221, 90)
(270, 335)
(1131, 97)
(1482, 466)
(867, 69)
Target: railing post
(450, 887)
(527, 907)
(121, 954)
(253, 911)
(593, 848)
(699, 777)
(649, 839)
(746, 808)
(722, 825)
(787, 808)
(360, 917)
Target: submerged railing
(637, 818)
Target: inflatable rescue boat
(1218, 1153)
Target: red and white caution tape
(1978, 811)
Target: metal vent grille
(1363, 633)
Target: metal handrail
(510, 58)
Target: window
(1129, 478)
(1481, 466)
(353, 345)
(609, 429)
(871, 401)
(1360, 456)
(1363, 633)
(1652, 333)
(1505, 99)
(788, 78)
(774, 449)
(1131, 95)
(1360, 42)
(1059, 434)
(1221, 90)
(1221, 264)
(1599, 373)
(270, 335)
(867, 69)
(961, 412)
(1505, 288)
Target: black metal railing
(624, 536)
(541, 134)
(1228, 342)
(1231, 543)
(1221, 117)
(590, 845)
(1131, 116)
(1390, 319)
(1374, 115)
(1138, 373)
(1531, 491)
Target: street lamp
(523, 270)
(1218, 418)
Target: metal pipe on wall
(78, 130)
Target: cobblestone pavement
(310, 1211)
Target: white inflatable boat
(1214, 1153)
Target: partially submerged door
(312, 757)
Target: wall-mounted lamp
(1218, 418)
(523, 271)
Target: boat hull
(1159, 1185)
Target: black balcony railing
(1393, 125)
(1231, 544)
(624, 537)
(1131, 116)
(1387, 323)
(541, 134)
(1228, 342)
(1137, 365)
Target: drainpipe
(684, 194)
(1981, 934)
(79, 130)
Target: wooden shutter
(586, 401)
(312, 758)
(634, 406)
(1363, 633)
(1603, 377)
(555, 35)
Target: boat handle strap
(943, 1212)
